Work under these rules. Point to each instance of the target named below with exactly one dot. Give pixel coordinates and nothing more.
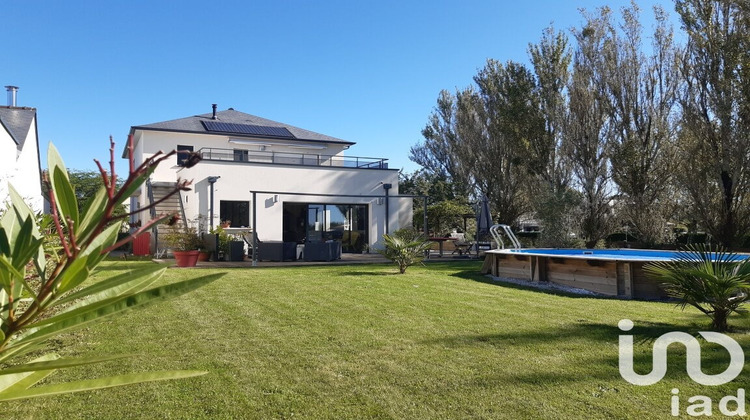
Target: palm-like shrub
(405, 247)
(714, 281)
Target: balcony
(284, 158)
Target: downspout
(387, 188)
(212, 180)
(152, 211)
(255, 230)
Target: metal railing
(495, 231)
(285, 158)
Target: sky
(367, 72)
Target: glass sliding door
(315, 222)
(357, 229)
(349, 225)
(346, 223)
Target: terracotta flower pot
(204, 255)
(186, 258)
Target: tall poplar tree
(715, 143)
(589, 130)
(641, 91)
(553, 199)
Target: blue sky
(367, 72)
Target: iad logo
(659, 369)
(701, 404)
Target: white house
(287, 183)
(19, 152)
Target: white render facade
(19, 155)
(305, 186)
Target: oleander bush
(46, 263)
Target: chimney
(12, 94)
(214, 107)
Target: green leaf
(4, 309)
(22, 210)
(92, 213)
(60, 364)
(104, 240)
(54, 159)
(117, 285)
(40, 263)
(17, 351)
(76, 273)
(26, 244)
(79, 317)
(22, 381)
(4, 242)
(79, 270)
(67, 203)
(101, 383)
(13, 218)
(137, 182)
(7, 272)
(7, 269)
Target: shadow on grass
(123, 265)
(599, 364)
(363, 273)
(481, 278)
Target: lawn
(359, 341)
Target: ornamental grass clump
(43, 269)
(405, 247)
(714, 281)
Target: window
(240, 155)
(236, 212)
(183, 153)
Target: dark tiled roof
(17, 122)
(193, 125)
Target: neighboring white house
(306, 189)
(19, 153)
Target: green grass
(361, 342)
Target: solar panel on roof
(254, 130)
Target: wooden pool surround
(620, 278)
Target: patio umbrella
(484, 220)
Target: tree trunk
(720, 320)
(728, 230)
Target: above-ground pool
(612, 272)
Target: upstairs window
(183, 153)
(240, 155)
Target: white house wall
(238, 179)
(7, 162)
(21, 168)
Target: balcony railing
(284, 158)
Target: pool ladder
(495, 232)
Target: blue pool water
(605, 254)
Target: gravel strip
(544, 286)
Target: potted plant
(223, 242)
(185, 244)
(204, 255)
